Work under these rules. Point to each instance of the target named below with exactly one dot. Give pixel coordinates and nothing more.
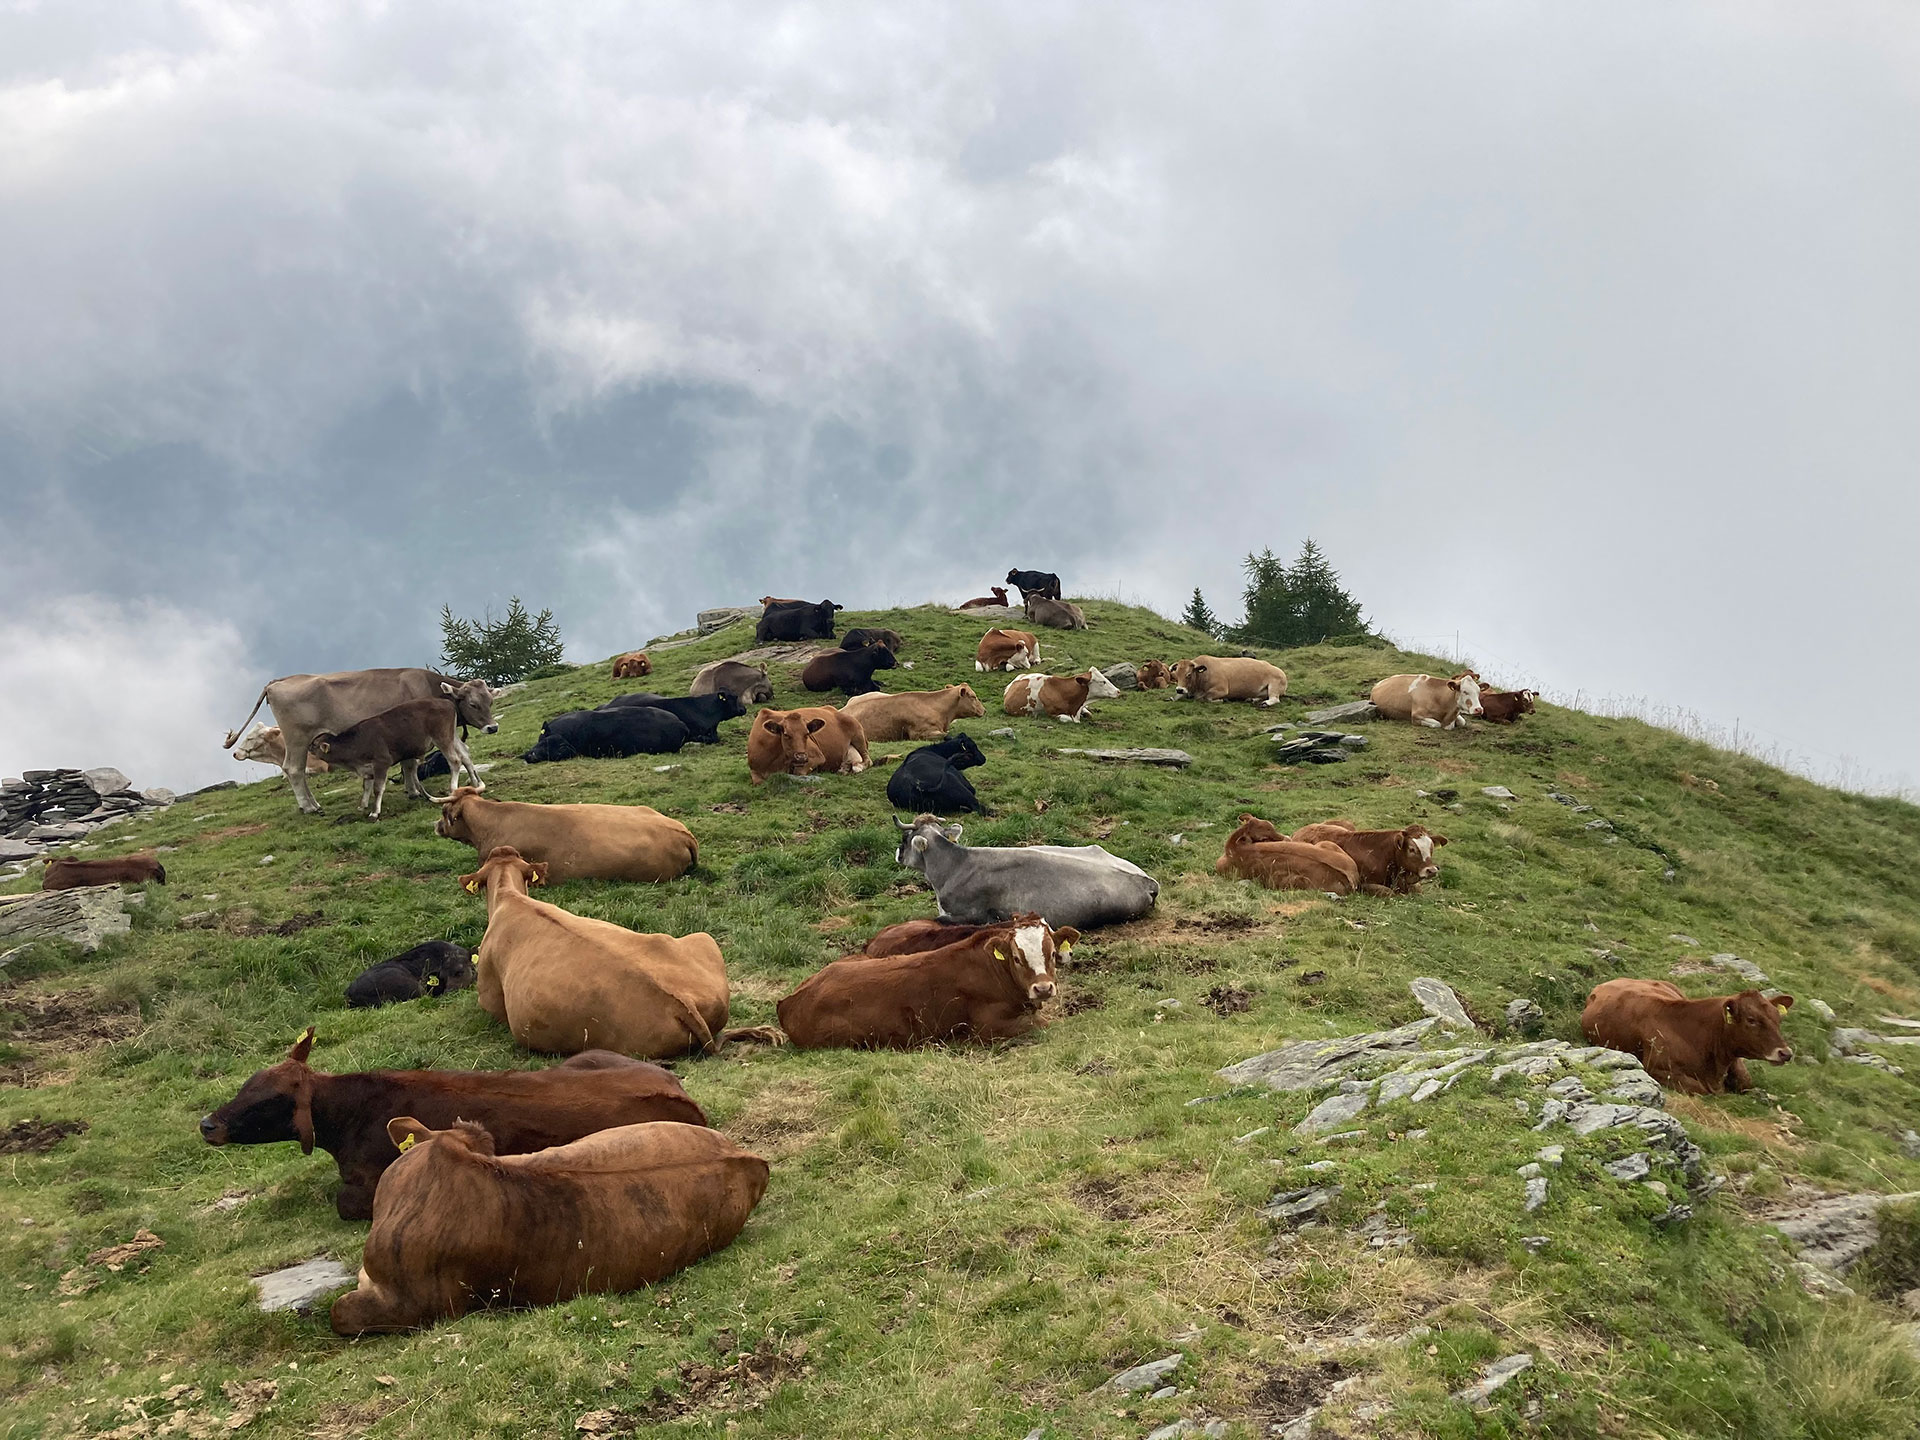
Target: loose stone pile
(1314, 747)
(50, 807)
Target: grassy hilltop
(966, 1241)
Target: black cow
(701, 714)
(860, 639)
(430, 969)
(608, 734)
(1035, 582)
(796, 620)
(929, 780)
(848, 670)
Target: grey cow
(1079, 885)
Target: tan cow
(1232, 677)
(1429, 700)
(1062, 696)
(1006, 650)
(265, 744)
(632, 665)
(1257, 851)
(564, 983)
(914, 714)
(456, 1226)
(812, 739)
(575, 842)
(1153, 675)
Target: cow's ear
(919, 844)
(1785, 1002)
(303, 1047)
(406, 1132)
(537, 872)
(813, 725)
(1453, 684)
(952, 832)
(1437, 839)
(770, 727)
(1064, 937)
(472, 883)
(1727, 1011)
(446, 689)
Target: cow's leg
(294, 767)
(1429, 722)
(373, 790)
(1738, 1081)
(458, 759)
(410, 779)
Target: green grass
(967, 1241)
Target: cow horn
(901, 823)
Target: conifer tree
(1198, 616)
(502, 651)
(1301, 604)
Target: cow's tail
(753, 1035)
(233, 737)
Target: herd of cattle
(600, 1174)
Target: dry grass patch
(1773, 1133)
(782, 1120)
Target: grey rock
(1528, 1170)
(1144, 1377)
(1308, 1064)
(222, 785)
(1176, 759)
(1528, 1065)
(157, 795)
(1498, 792)
(1403, 1083)
(1329, 1114)
(300, 1287)
(85, 916)
(1426, 1092)
(1005, 733)
(1535, 1243)
(1910, 1144)
(1122, 675)
(1560, 799)
(1683, 939)
(1637, 1087)
(1165, 1392)
(1570, 1088)
(1351, 713)
(106, 780)
(58, 832)
(1293, 1208)
(1536, 1193)
(1599, 825)
(1745, 969)
(1307, 750)
(1552, 1154)
(1551, 1114)
(1298, 1428)
(1850, 1040)
(1834, 1231)
(1436, 997)
(17, 850)
(1872, 1062)
(1524, 1017)
(1631, 1167)
(721, 616)
(1820, 1283)
(1493, 1378)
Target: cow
(1221, 678)
(795, 620)
(910, 937)
(1007, 650)
(1388, 862)
(1078, 885)
(635, 843)
(457, 1226)
(564, 983)
(404, 736)
(1698, 1047)
(1504, 707)
(1428, 700)
(815, 739)
(1257, 851)
(436, 968)
(305, 705)
(748, 682)
(1062, 696)
(987, 986)
(929, 779)
(1153, 675)
(264, 744)
(608, 734)
(63, 873)
(701, 714)
(1099, 687)
(634, 665)
(848, 670)
(346, 1115)
(1033, 582)
(1056, 614)
(916, 714)
(861, 638)
(997, 597)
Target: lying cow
(701, 714)
(997, 597)
(403, 736)
(1698, 1047)
(916, 714)
(1033, 582)
(929, 780)
(748, 682)
(1503, 707)
(1079, 885)
(859, 639)
(608, 735)
(457, 1226)
(63, 873)
(306, 705)
(1153, 675)
(1388, 862)
(435, 968)
(1006, 650)
(632, 666)
(264, 744)
(635, 843)
(1055, 614)
(910, 937)
(346, 1115)
(1064, 697)
(564, 983)
(795, 620)
(988, 986)
(1221, 678)
(815, 739)
(1428, 700)
(766, 600)
(1260, 853)
(848, 670)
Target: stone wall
(42, 808)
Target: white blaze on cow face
(1030, 944)
(1470, 696)
(1423, 847)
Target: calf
(812, 739)
(1220, 678)
(346, 1115)
(608, 734)
(915, 715)
(1079, 885)
(1062, 696)
(701, 714)
(748, 682)
(1007, 650)
(435, 968)
(929, 779)
(987, 986)
(796, 620)
(457, 1225)
(1387, 861)
(266, 745)
(65, 874)
(1153, 675)
(859, 639)
(998, 597)
(1503, 707)
(1258, 852)
(632, 666)
(1428, 700)
(635, 843)
(403, 735)
(1698, 1047)
(1057, 614)
(1033, 582)
(848, 670)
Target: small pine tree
(1198, 616)
(502, 651)
(1301, 604)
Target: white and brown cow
(1428, 700)
(1062, 696)
(1007, 650)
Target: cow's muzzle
(212, 1131)
(1781, 1056)
(492, 728)
(1041, 990)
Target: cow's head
(1523, 701)
(1029, 952)
(276, 1104)
(1154, 675)
(731, 707)
(759, 690)
(999, 592)
(961, 751)
(1013, 578)
(1101, 688)
(462, 1138)
(792, 732)
(966, 705)
(920, 837)
(506, 868)
(879, 657)
(322, 744)
(473, 703)
(454, 812)
(1468, 684)
(1753, 1022)
(1413, 857)
(263, 743)
(1188, 676)
(450, 969)
(1253, 831)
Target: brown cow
(1062, 696)
(779, 600)
(347, 1115)
(577, 842)
(404, 736)
(1006, 650)
(1503, 707)
(632, 665)
(988, 986)
(1229, 677)
(1698, 1047)
(1388, 861)
(1153, 675)
(814, 738)
(998, 597)
(1259, 852)
(748, 682)
(1056, 614)
(910, 937)
(456, 1225)
(65, 874)
(914, 714)
(1428, 700)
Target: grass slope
(967, 1241)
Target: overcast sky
(1590, 333)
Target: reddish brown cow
(1503, 707)
(1698, 1047)
(1387, 861)
(813, 739)
(347, 1115)
(65, 874)
(1257, 851)
(1153, 675)
(998, 597)
(910, 937)
(632, 665)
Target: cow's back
(597, 842)
(1067, 888)
(1416, 697)
(896, 1000)
(304, 704)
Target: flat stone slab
(1493, 1378)
(1352, 712)
(1178, 759)
(1834, 1231)
(1436, 997)
(1145, 1377)
(85, 916)
(797, 653)
(300, 1287)
(1307, 1063)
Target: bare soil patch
(37, 1136)
(1290, 1389)
(1106, 1199)
(1080, 1001)
(1225, 1000)
(743, 1385)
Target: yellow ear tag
(433, 982)
(406, 1144)
(1067, 949)
(1728, 1014)
(473, 887)
(998, 953)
